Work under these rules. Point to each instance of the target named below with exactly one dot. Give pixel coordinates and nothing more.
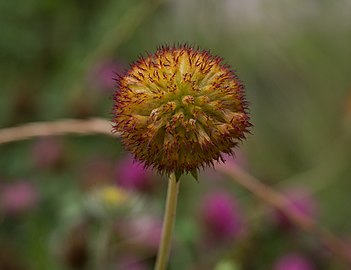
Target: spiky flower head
(180, 109)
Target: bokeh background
(79, 202)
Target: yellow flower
(113, 196)
(180, 109)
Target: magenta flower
(17, 198)
(132, 175)
(301, 201)
(221, 217)
(293, 262)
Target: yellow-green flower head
(180, 109)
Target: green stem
(168, 223)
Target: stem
(59, 127)
(279, 201)
(168, 223)
(243, 178)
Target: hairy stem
(168, 223)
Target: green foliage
(294, 58)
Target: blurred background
(79, 202)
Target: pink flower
(132, 175)
(293, 262)
(221, 217)
(17, 198)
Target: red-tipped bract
(180, 109)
